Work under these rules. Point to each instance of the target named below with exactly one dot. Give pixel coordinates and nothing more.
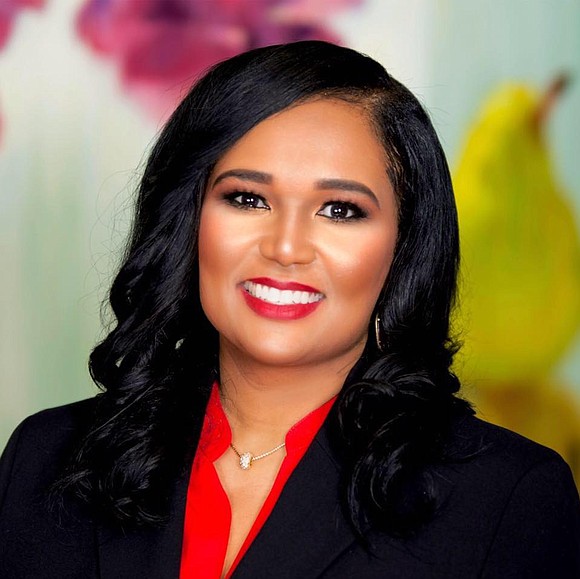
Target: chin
(278, 354)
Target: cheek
(215, 267)
(365, 266)
(224, 247)
(216, 241)
(213, 255)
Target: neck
(263, 403)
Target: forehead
(326, 137)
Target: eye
(246, 200)
(342, 211)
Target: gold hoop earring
(380, 345)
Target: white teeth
(280, 297)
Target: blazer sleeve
(538, 535)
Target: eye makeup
(338, 210)
(245, 200)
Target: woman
(277, 399)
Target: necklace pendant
(245, 460)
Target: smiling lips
(280, 300)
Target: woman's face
(298, 228)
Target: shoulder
(58, 421)
(511, 502)
(43, 441)
(494, 445)
(508, 508)
(494, 464)
(53, 425)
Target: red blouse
(207, 511)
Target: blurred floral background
(85, 86)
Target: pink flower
(160, 46)
(8, 11)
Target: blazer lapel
(306, 530)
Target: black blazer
(511, 512)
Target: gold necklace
(247, 458)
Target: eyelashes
(342, 211)
(335, 210)
(246, 200)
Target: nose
(287, 240)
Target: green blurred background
(74, 138)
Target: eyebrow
(266, 179)
(244, 175)
(347, 185)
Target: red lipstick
(280, 311)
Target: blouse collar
(216, 434)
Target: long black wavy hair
(155, 366)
